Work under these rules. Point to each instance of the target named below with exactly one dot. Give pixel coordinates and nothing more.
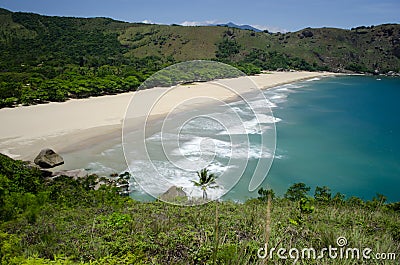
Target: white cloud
(270, 28)
(199, 23)
(214, 22)
(146, 21)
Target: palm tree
(206, 181)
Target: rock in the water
(174, 194)
(47, 158)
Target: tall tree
(297, 191)
(206, 180)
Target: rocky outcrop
(45, 173)
(95, 182)
(47, 158)
(307, 33)
(123, 188)
(392, 73)
(173, 194)
(75, 173)
(121, 182)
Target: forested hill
(54, 58)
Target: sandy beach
(76, 123)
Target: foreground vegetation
(56, 58)
(65, 221)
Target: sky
(275, 15)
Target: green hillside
(55, 58)
(66, 221)
(178, 42)
(336, 49)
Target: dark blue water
(341, 132)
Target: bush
(9, 247)
(227, 49)
(322, 194)
(18, 176)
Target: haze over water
(340, 132)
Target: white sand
(77, 123)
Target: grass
(158, 233)
(65, 221)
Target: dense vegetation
(55, 58)
(65, 221)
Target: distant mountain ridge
(233, 25)
(32, 39)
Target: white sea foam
(168, 175)
(257, 125)
(242, 107)
(253, 151)
(291, 88)
(237, 110)
(248, 127)
(205, 123)
(100, 169)
(202, 146)
(295, 86)
(278, 97)
(279, 157)
(265, 119)
(193, 150)
(261, 104)
(313, 79)
(165, 136)
(272, 105)
(112, 150)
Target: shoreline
(78, 123)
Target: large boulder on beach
(47, 158)
(174, 194)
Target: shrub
(322, 194)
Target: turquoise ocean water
(341, 132)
